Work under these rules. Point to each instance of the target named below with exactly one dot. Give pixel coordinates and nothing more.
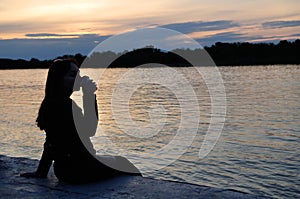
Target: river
(257, 151)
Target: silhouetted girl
(75, 160)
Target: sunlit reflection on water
(258, 151)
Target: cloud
(51, 35)
(48, 48)
(225, 37)
(295, 35)
(281, 24)
(231, 37)
(197, 26)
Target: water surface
(258, 151)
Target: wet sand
(14, 186)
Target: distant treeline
(223, 54)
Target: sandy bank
(13, 186)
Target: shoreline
(177, 66)
(14, 186)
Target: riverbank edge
(14, 186)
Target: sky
(45, 29)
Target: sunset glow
(228, 21)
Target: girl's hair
(54, 88)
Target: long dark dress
(72, 161)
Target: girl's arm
(88, 122)
(90, 117)
(44, 164)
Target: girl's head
(59, 85)
(61, 77)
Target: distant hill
(236, 54)
(223, 54)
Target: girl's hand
(88, 85)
